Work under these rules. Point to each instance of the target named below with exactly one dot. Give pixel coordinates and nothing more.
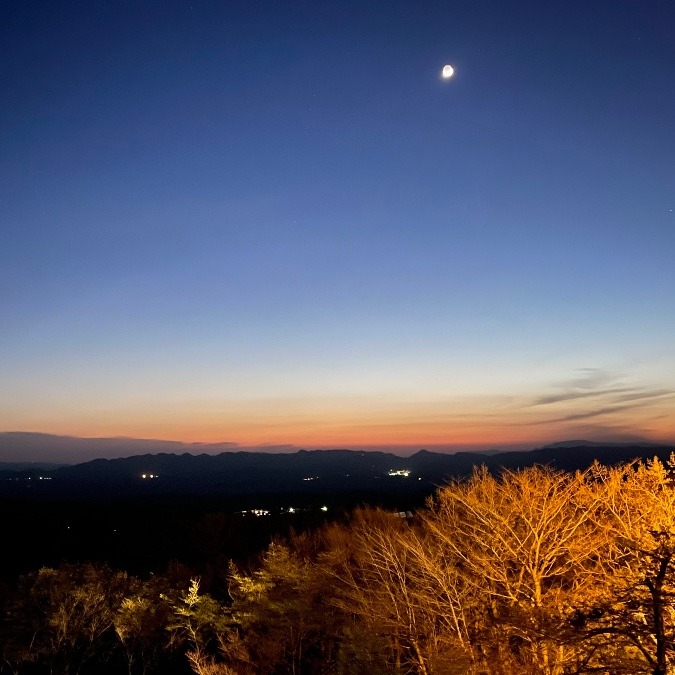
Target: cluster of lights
(293, 509)
(399, 472)
(266, 512)
(149, 475)
(310, 478)
(256, 512)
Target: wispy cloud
(593, 394)
(597, 383)
(574, 395)
(597, 412)
(646, 394)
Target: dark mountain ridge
(319, 472)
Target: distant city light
(399, 472)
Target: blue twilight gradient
(224, 201)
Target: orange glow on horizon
(529, 419)
(414, 427)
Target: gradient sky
(273, 223)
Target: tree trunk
(420, 659)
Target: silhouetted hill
(573, 457)
(316, 472)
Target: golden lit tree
(282, 610)
(637, 614)
(395, 581)
(528, 546)
(204, 625)
(141, 623)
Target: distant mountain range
(51, 448)
(303, 472)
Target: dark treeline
(534, 571)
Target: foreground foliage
(529, 572)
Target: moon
(448, 72)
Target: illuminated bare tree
(397, 584)
(528, 546)
(638, 611)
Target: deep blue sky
(273, 222)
